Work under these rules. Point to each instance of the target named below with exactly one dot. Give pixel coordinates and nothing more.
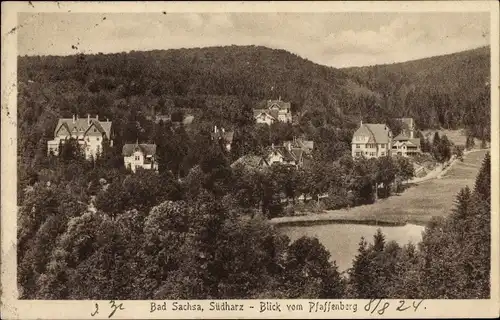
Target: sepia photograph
(184, 156)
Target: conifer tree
(483, 180)
(359, 274)
(462, 204)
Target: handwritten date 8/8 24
(376, 305)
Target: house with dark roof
(223, 136)
(89, 132)
(285, 155)
(250, 162)
(140, 155)
(306, 146)
(372, 140)
(406, 143)
(273, 111)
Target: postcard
(184, 160)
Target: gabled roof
(147, 149)
(401, 137)
(297, 153)
(294, 154)
(281, 104)
(415, 141)
(307, 144)
(377, 133)
(408, 142)
(270, 106)
(250, 161)
(271, 113)
(404, 137)
(81, 126)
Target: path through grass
(418, 204)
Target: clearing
(417, 204)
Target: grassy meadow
(417, 204)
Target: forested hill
(437, 91)
(252, 71)
(223, 83)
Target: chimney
(279, 99)
(411, 133)
(88, 119)
(289, 146)
(74, 118)
(215, 129)
(272, 145)
(361, 123)
(97, 117)
(222, 130)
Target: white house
(140, 155)
(372, 140)
(89, 132)
(272, 111)
(285, 155)
(405, 143)
(264, 116)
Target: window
(97, 139)
(358, 154)
(95, 130)
(383, 146)
(137, 158)
(357, 146)
(372, 154)
(382, 154)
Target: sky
(337, 39)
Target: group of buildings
(373, 140)
(292, 153)
(370, 140)
(272, 111)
